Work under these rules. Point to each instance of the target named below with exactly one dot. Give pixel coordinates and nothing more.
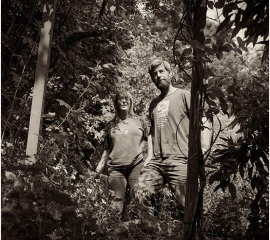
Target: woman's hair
(156, 63)
(120, 94)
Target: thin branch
(11, 108)
(102, 10)
(174, 42)
(22, 32)
(243, 61)
(218, 17)
(207, 153)
(77, 37)
(69, 111)
(14, 14)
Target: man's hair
(123, 93)
(156, 63)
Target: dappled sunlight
(62, 72)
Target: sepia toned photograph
(135, 120)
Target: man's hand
(149, 150)
(206, 135)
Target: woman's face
(123, 103)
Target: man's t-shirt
(125, 142)
(170, 124)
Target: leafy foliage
(248, 154)
(99, 46)
(46, 200)
(229, 89)
(224, 217)
(250, 15)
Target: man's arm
(206, 135)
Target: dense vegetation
(98, 47)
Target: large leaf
(227, 47)
(263, 204)
(196, 44)
(241, 171)
(240, 42)
(207, 41)
(214, 177)
(217, 187)
(232, 190)
(224, 24)
(231, 89)
(58, 197)
(210, 102)
(209, 50)
(218, 93)
(233, 100)
(60, 137)
(220, 4)
(255, 182)
(187, 51)
(63, 103)
(237, 18)
(210, 4)
(219, 55)
(236, 31)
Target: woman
(123, 148)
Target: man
(169, 115)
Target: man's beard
(162, 85)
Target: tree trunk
(41, 76)
(193, 206)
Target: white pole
(41, 76)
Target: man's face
(161, 77)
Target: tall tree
(195, 156)
(41, 78)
